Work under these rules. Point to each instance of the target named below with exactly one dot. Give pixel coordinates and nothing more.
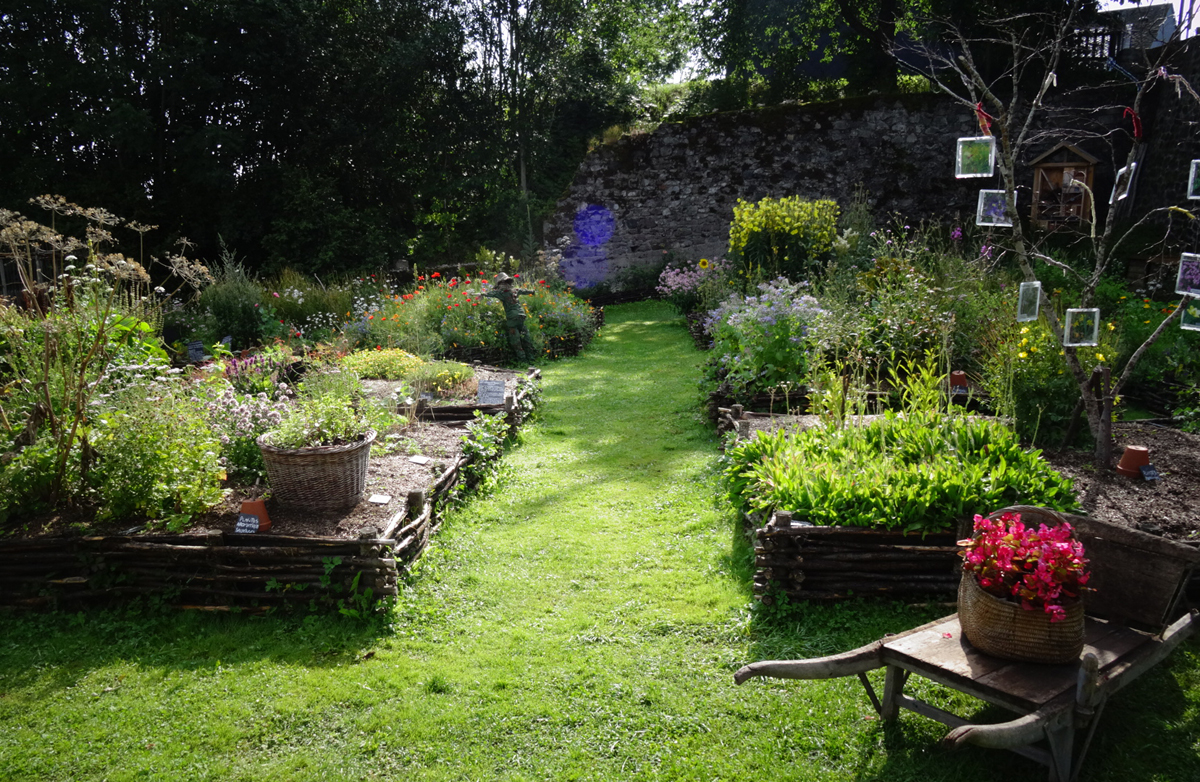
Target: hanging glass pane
(1029, 301)
(1191, 314)
(1082, 328)
(992, 209)
(1188, 280)
(1123, 184)
(976, 157)
(1194, 181)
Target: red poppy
(541, 282)
(436, 274)
(421, 278)
(516, 276)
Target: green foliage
(788, 236)
(1027, 377)
(232, 307)
(483, 444)
(155, 455)
(921, 470)
(440, 377)
(384, 364)
(329, 410)
(764, 341)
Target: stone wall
(674, 189)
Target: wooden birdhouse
(1062, 179)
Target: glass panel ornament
(1194, 181)
(1188, 280)
(992, 209)
(1124, 182)
(975, 157)
(1029, 301)
(1082, 328)
(1190, 320)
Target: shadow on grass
(65, 646)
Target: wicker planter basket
(1004, 629)
(326, 477)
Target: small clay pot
(1135, 457)
(958, 379)
(258, 508)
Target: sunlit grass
(583, 621)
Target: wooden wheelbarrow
(1133, 623)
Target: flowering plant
(1041, 568)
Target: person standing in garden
(514, 316)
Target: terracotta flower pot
(1135, 457)
(258, 508)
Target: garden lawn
(582, 622)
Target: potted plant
(1019, 597)
(318, 456)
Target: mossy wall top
(675, 189)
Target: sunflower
(703, 263)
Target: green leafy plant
(920, 469)
(383, 363)
(786, 236)
(328, 410)
(762, 341)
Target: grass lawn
(581, 622)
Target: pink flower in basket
(1040, 568)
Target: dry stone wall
(674, 190)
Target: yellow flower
(1145, 321)
(1024, 329)
(1111, 327)
(1099, 356)
(1022, 354)
(1025, 341)
(703, 263)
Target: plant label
(227, 342)
(379, 499)
(491, 392)
(195, 350)
(246, 523)
(1193, 192)
(1149, 473)
(422, 460)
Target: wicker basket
(325, 477)
(1004, 629)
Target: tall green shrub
(786, 236)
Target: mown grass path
(581, 622)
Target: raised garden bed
(329, 559)
(807, 562)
